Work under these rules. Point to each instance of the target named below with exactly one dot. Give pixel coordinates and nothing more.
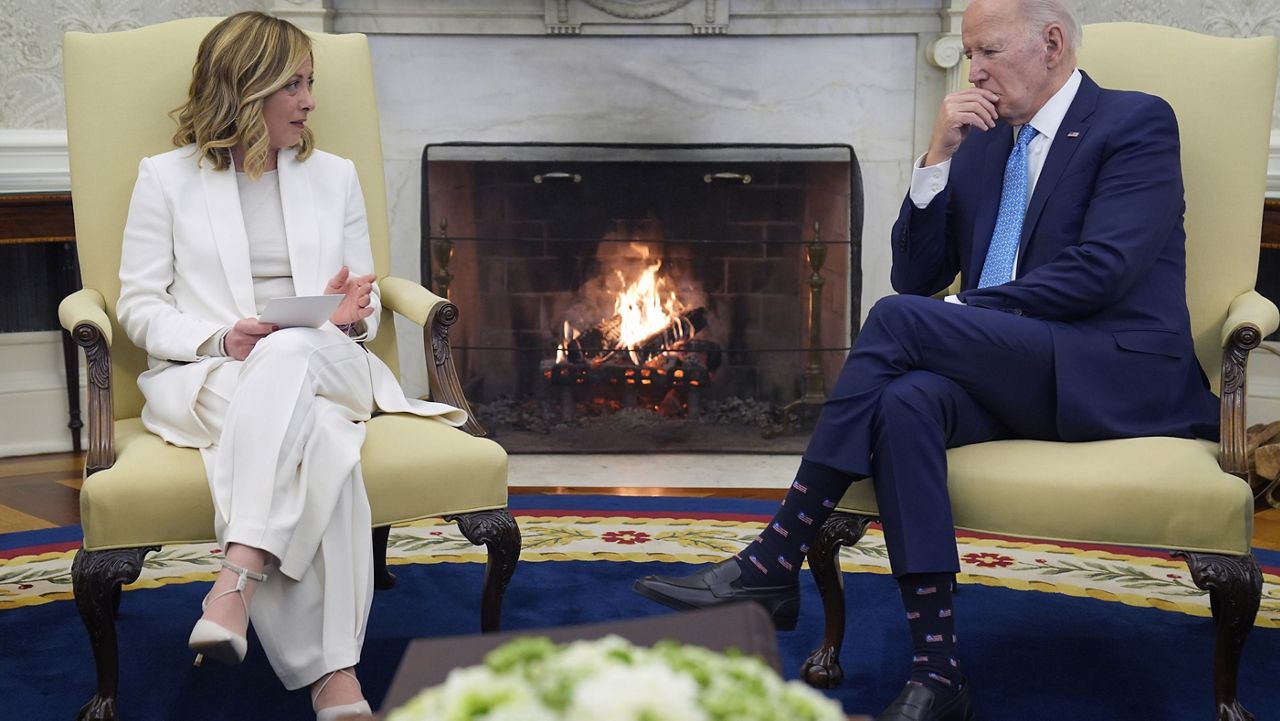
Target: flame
(562, 350)
(644, 308)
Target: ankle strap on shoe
(324, 681)
(243, 573)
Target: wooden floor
(43, 492)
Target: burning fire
(642, 351)
(647, 312)
(562, 350)
(644, 310)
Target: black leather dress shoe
(916, 703)
(720, 584)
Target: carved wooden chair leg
(498, 531)
(382, 578)
(1234, 584)
(822, 668)
(96, 578)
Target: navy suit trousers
(924, 376)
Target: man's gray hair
(1041, 13)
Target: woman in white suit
(246, 210)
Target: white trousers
(285, 477)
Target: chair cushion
(1151, 492)
(156, 494)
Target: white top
(264, 225)
(268, 248)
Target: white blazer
(184, 273)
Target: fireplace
(624, 297)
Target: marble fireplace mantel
(629, 17)
(866, 73)
(936, 21)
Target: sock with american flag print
(928, 600)
(774, 558)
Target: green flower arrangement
(534, 679)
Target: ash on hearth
(730, 425)
(541, 416)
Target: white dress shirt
(927, 182)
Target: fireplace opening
(645, 297)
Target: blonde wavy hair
(244, 59)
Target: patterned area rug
(1048, 631)
(1132, 577)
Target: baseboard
(33, 394)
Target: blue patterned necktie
(998, 267)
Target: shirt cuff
(927, 182)
(215, 345)
(953, 298)
(357, 331)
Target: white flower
(476, 693)
(532, 679)
(649, 690)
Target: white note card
(305, 311)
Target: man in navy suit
(1060, 204)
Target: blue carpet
(1029, 655)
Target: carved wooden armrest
(1251, 318)
(435, 315)
(84, 315)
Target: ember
(647, 353)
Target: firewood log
(1266, 461)
(1260, 434)
(604, 337)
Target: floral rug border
(1134, 580)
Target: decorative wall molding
(313, 15)
(945, 54)
(946, 51)
(440, 17)
(636, 17)
(33, 161)
(697, 17)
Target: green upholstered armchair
(1187, 496)
(140, 493)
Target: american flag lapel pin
(1073, 134)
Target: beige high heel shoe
(359, 709)
(214, 640)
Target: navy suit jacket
(1102, 260)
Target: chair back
(120, 88)
(1222, 90)
(1224, 153)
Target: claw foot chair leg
(498, 531)
(96, 578)
(822, 668)
(382, 578)
(1234, 584)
